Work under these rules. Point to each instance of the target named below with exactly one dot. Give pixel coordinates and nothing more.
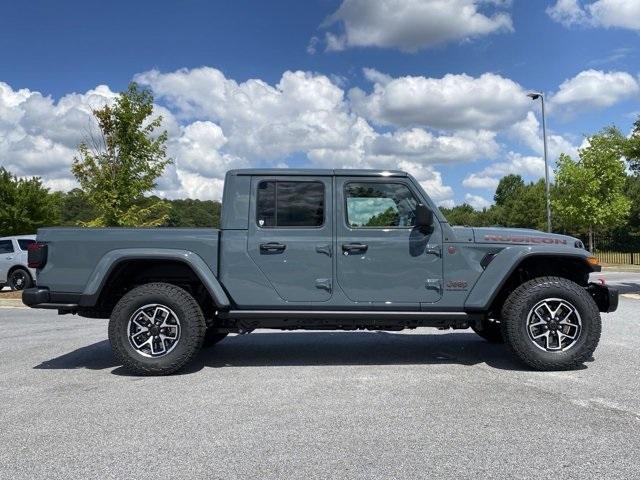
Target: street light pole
(535, 96)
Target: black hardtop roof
(317, 172)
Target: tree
(589, 193)
(631, 148)
(632, 192)
(25, 205)
(76, 209)
(527, 208)
(194, 213)
(117, 167)
(508, 189)
(383, 219)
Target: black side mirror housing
(424, 216)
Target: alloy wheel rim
(153, 330)
(554, 325)
(18, 280)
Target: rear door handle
(348, 248)
(272, 247)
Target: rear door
(291, 233)
(7, 252)
(383, 258)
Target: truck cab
(322, 249)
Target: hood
(516, 236)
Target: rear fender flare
(113, 258)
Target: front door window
(380, 205)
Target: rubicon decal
(524, 239)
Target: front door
(382, 257)
(291, 234)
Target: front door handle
(348, 248)
(272, 247)
(433, 250)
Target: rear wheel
(156, 329)
(19, 279)
(551, 323)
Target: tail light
(37, 255)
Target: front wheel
(551, 323)
(156, 329)
(19, 279)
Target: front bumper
(605, 297)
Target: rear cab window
(290, 204)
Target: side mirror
(424, 216)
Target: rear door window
(24, 243)
(290, 204)
(6, 246)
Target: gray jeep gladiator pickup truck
(322, 249)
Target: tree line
(118, 164)
(598, 192)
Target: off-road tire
(26, 276)
(514, 323)
(192, 325)
(211, 337)
(490, 331)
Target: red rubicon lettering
(525, 239)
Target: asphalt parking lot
(421, 404)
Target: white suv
(14, 271)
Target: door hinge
(433, 250)
(324, 284)
(433, 284)
(324, 248)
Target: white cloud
(410, 25)
(476, 201)
(39, 136)
(568, 13)
(423, 146)
(601, 13)
(529, 167)
(594, 89)
(451, 102)
(216, 123)
(529, 133)
(479, 180)
(449, 203)
(308, 113)
(302, 112)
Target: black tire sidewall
(27, 282)
(515, 328)
(192, 327)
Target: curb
(11, 303)
(634, 296)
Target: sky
(434, 87)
